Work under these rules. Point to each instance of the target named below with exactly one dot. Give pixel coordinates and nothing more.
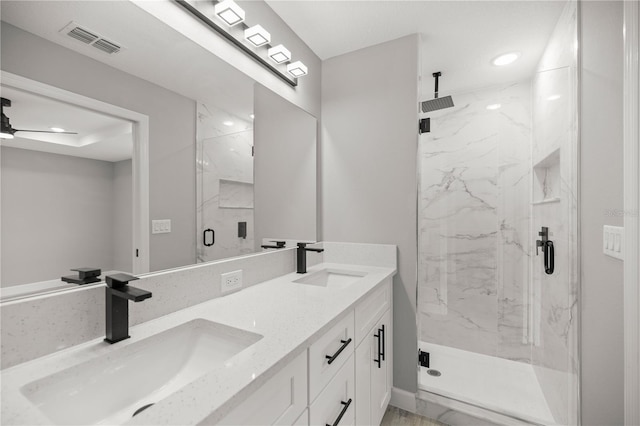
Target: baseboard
(402, 399)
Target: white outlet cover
(230, 281)
(160, 226)
(613, 241)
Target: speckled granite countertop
(290, 316)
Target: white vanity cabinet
(344, 377)
(374, 358)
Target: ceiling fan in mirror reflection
(7, 132)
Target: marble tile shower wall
(224, 176)
(474, 244)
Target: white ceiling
(100, 137)
(459, 38)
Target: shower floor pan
(497, 384)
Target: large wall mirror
(217, 150)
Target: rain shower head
(437, 103)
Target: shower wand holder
(547, 250)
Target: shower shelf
(547, 201)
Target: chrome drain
(434, 373)
(141, 409)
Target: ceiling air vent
(91, 38)
(82, 35)
(106, 46)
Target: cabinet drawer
(369, 311)
(337, 343)
(337, 400)
(280, 401)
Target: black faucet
(117, 313)
(279, 245)
(302, 256)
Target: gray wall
(368, 169)
(601, 190)
(284, 169)
(172, 130)
(122, 217)
(56, 215)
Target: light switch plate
(161, 226)
(613, 241)
(231, 281)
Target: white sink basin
(110, 388)
(335, 278)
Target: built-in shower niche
(546, 182)
(235, 194)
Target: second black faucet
(302, 256)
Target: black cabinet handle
(378, 361)
(383, 344)
(333, 357)
(344, 410)
(549, 254)
(204, 237)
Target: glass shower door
(500, 330)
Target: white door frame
(631, 213)
(140, 160)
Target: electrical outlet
(231, 281)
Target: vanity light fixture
(506, 59)
(279, 54)
(273, 58)
(297, 69)
(493, 107)
(257, 35)
(229, 12)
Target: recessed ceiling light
(506, 59)
(257, 35)
(57, 129)
(297, 69)
(228, 123)
(554, 97)
(279, 54)
(229, 12)
(493, 107)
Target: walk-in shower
(499, 326)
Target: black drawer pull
(383, 343)
(344, 410)
(378, 336)
(345, 343)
